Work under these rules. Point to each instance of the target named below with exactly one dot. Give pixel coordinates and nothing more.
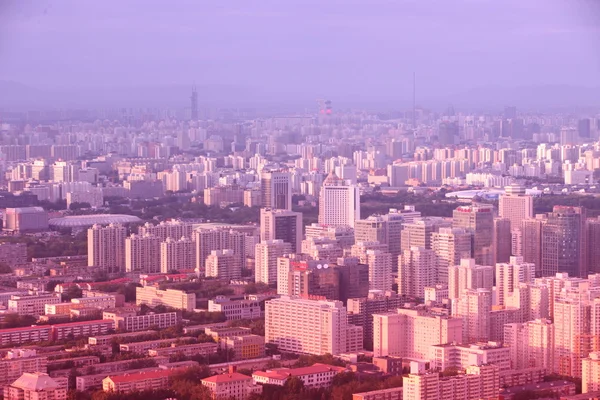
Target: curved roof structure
(81, 221)
(485, 193)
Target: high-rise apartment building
(474, 307)
(417, 270)
(478, 382)
(450, 245)
(468, 275)
(572, 318)
(379, 260)
(590, 371)
(515, 205)
(361, 310)
(219, 238)
(531, 344)
(174, 229)
(177, 255)
(410, 332)
(223, 264)
(276, 190)
(265, 255)
(106, 247)
(420, 231)
(283, 225)
(564, 244)
(306, 326)
(510, 275)
(386, 229)
(479, 219)
(142, 254)
(339, 202)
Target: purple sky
(342, 47)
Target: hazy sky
(340, 47)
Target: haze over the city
(360, 53)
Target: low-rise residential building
(444, 356)
(317, 375)
(152, 296)
(133, 323)
(222, 332)
(384, 394)
(143, 347)
(200, 349)
(35, 386)
(152, 380)
(245, 347)
(79, 329)
(231, 385)
(107, 339)
(31, 304)
(19, 361)
(25, 335)
(235, 309)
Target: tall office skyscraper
(502, 240)
(450, 246)
(531, 241)
(142, 254)
(584, 128)
(276, 189)
(106, 247)
(281, 224)
(564, 242)
(416, 270)
(593, 249)
(515, 205)
(479, 219)
(194, 104)
(339, 202)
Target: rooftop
(35, 381)
(223, 378)
(140, 376)
(76, 221)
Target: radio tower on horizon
(414, 113)
(194, 99)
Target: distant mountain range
(542, 97)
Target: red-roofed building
(231, 385)
(317, 375)
(127, 383)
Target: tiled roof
(236, 376)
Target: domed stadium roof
(82, 221)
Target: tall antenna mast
(414, 122)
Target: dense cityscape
(299, 200)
